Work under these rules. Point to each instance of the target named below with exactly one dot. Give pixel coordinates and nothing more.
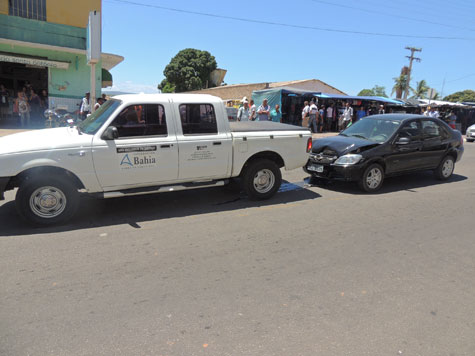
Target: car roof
(397, 117)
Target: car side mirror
(403, 141)
(111, 133)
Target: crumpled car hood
(341, 145)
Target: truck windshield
(94, 121)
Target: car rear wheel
(372, 178)
(446, 168)
(47, 200)
(261, 179)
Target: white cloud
(131, 87)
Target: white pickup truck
(139, 144)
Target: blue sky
(148, 37)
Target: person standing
(330, 117)
(85, 106)
(244, 112)
(347, 116)
(4, 102)
(313, 113)
(98, 104)
(360, 113)
(276, 115)
(264, 111)
(35, 106)
(23, 109)
(305, 114)
(381, 110)
(252, 110)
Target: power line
(291, 25)
(392, 15)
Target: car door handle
(216, 143)
(165, 146)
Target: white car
(139, 144)
(470, 135)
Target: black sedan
(384, 145)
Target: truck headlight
(348, 159)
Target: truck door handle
(80, 154)
(164, 146)
(216, 143)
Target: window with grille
(30, 9)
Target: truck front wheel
(261, 179)
(47, 200)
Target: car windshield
(94, 121)
(376, 130)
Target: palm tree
(421, 90)
(399, 85)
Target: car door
(205, 146)
(406, 157)
(145, 153)
(435, 143)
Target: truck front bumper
(3, 184)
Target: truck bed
(252, 126)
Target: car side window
(141, 120)
(411, 130)
(431, 130)
(198, 119)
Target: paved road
(314, 271)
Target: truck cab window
(198, 119)
(141, 120)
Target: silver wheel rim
(374, 177)
(264, 180)
(447, 168)
(47, 202)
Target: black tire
(445, 169)
(265, 186)
(372, 178)
(36, 193)
(469, 140)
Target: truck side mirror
(111, 133)
(403, 141)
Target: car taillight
(309, 144)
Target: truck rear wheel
(261, 179)
(47, 200)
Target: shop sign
(34, 61)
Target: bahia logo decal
(126, 160)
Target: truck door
(205, 147)
(146, 152)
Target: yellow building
(43, 43)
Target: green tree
(188, 70)
(376, 91)
(461, 96)
(421, 90)
(399, 85)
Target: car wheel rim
(264, 180)
(447, 168)
(374, 177)
(47, 202)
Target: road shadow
(407, 182)
(138, 209)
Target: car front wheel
(446, 168)
(372, 178)
(47, 200)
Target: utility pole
(411, 58)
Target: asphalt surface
(317, 270)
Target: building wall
(4, 7)
(71, 12)
(65, 86)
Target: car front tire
(445, 169)
(372, 178)
(47, 200)
(261, 179)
